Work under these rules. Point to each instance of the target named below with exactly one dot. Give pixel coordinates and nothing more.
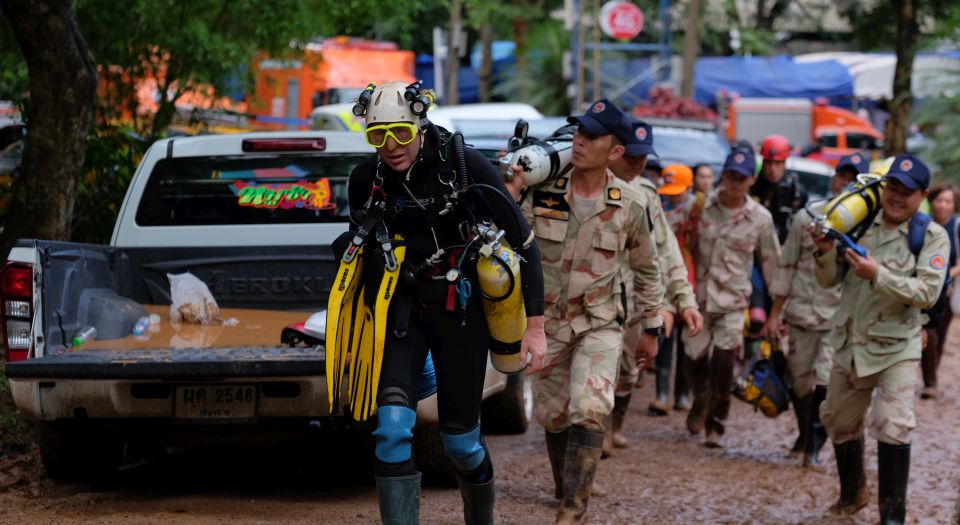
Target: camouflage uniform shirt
(582, 261)
(878, 323)
(808, 305)
(725, 246)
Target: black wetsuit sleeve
(507, 216)
(358, 187)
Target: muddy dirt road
(666, 476)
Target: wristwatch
(655, 332)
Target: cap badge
(739, 158)
(855, 159)
(906, 165)
(641, 133)
(599, 107)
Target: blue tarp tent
(772, 77)
(468, 82)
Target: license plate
(216, 402)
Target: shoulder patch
(613, 194)
(937, 262)
(560, 183)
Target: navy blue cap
(637, 137)
(653, 164)
(741, 161)
(856, 161)
(910, 171)
(602, 118)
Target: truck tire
(510, 411)
(431, 461)
(76, 455)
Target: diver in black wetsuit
(418, 184)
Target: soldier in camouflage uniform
(586, 224)
(806, 309)
(733, 228)
(679, 296)
(876, 334)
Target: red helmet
(775, 147)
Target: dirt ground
(666, 476)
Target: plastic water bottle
(141, 326)
(87, 334)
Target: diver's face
(399, 157)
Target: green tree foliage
(183, 44)
(13, 68)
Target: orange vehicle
(828, 132)
(330, 72)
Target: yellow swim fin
(340, 306)
(369, 337)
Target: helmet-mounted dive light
(363, 100)
(420, 100)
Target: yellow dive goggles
(402, 132)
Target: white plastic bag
(191, 301)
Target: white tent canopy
(933, 74)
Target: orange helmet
(775, 147)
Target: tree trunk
(521, 28)
(486, 66)
(908, 33)
(453, 54)
(63, 81)
(691, 47)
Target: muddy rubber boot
(556, 448)
(853, 479)
(579, 467)
(816, 435)
(893, 472)
(399, 499)
(698, 373)
(720, 387)
(478, 500)
(660, 406)
(681, 390)
(607, 449)
(801, 409)
(619, 413)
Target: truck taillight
(16, 316)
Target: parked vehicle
(252, 216)
(334, 71)
(834, 132)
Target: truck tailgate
(180, 364)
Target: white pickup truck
(251, 215)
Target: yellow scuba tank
(852, 206)
(498, 274)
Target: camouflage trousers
(719, 331)
(629, 371)
(575, 386)
(848, 397)
(810, 358)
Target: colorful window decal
(313, 195)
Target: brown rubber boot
(556, 448)
(853, 478)
(697, 373)
(620, 406)
(607, 449)
(720, 385)
(579, 467)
